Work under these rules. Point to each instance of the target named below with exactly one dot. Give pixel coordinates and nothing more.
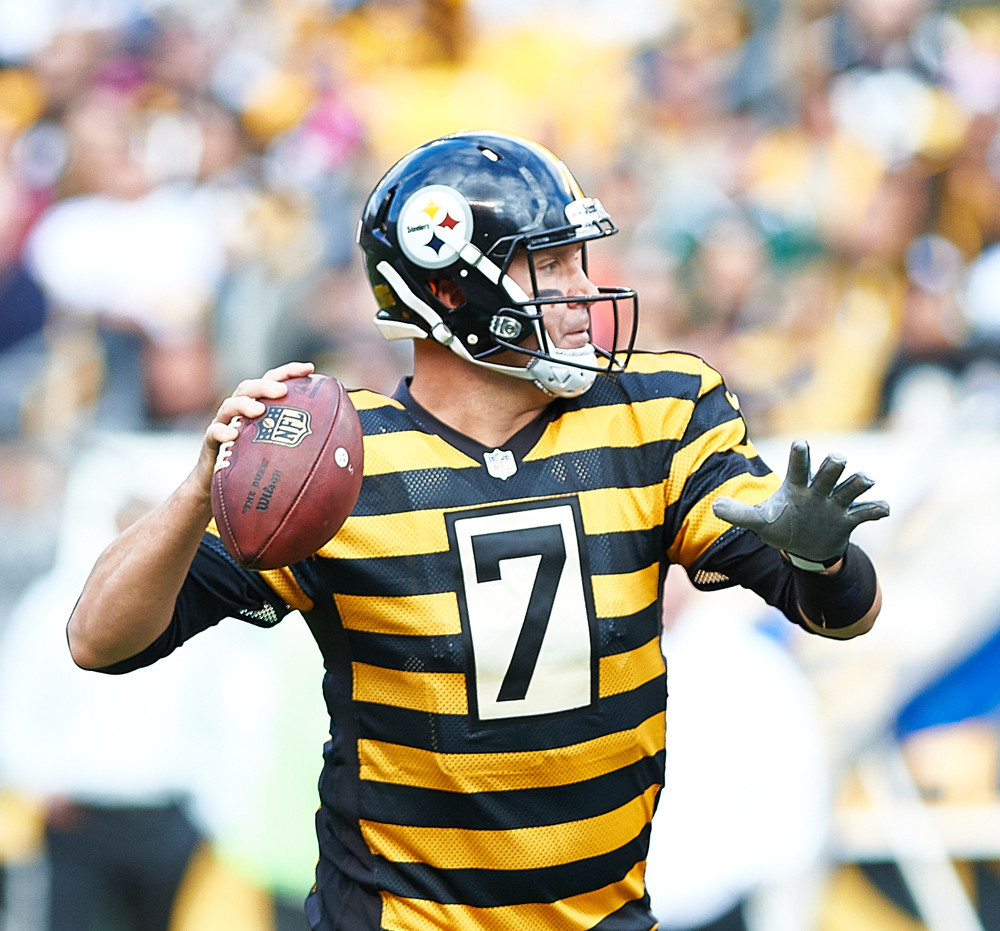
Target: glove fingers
(828, 473)
(798, 464)
(870, 510)
(851, 488)
(737, 513)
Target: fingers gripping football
(272, 384)
(245, 401)
(809, 516)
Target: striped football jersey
(490, 624)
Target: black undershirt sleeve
(215, 588)
(740, 558)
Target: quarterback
(489, 615)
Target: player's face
(559, 270)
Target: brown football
(290, 479)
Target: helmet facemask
(562, 372)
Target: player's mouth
(575, 339)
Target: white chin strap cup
(562, 375)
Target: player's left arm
(810, 520)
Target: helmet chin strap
(562, 375)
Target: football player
(489, 615)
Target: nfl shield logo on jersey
(283, 426)
(500, 463)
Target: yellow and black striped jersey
(490, 625)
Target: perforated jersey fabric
(494, 675)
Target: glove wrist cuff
(812, 565)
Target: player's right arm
(128, 599)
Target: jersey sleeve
(713, 458)
(216, 588)
(742, 558)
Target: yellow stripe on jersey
(702, 528)
(661, 418)
(365, 400)
(433, 692)
(499, 772)
(434, 615)
(580, 911)
(445, 692)
(416, 533)
(651, 363)
(626, 593)
(607, 510)
(516, 848)
(690, 458)
(385, 451)
(408, 533)
(623, 672)
(283, 582)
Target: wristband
(837, 600)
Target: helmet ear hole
(447, 292)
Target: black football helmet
(460, 208)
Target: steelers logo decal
(434, 224)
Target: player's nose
(580, 283)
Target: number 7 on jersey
(527, 613)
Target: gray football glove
(812, 520)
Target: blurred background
(808, 193)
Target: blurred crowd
(800, 185)
(808, 193)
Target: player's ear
(447, 292)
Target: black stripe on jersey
(496, 888)
(424, 653)
(642, 386)
(445, 653)
(626, 551)
(566, 472)
(449, 733)
(435, 573)
(417, 574)
(632, 916)
(629, 632)
(711, 410)
(600, 466)
(376, 421)
(408, 490)
(573, 471)
(522, 808)
(718, 468)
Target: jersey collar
(519, 444)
